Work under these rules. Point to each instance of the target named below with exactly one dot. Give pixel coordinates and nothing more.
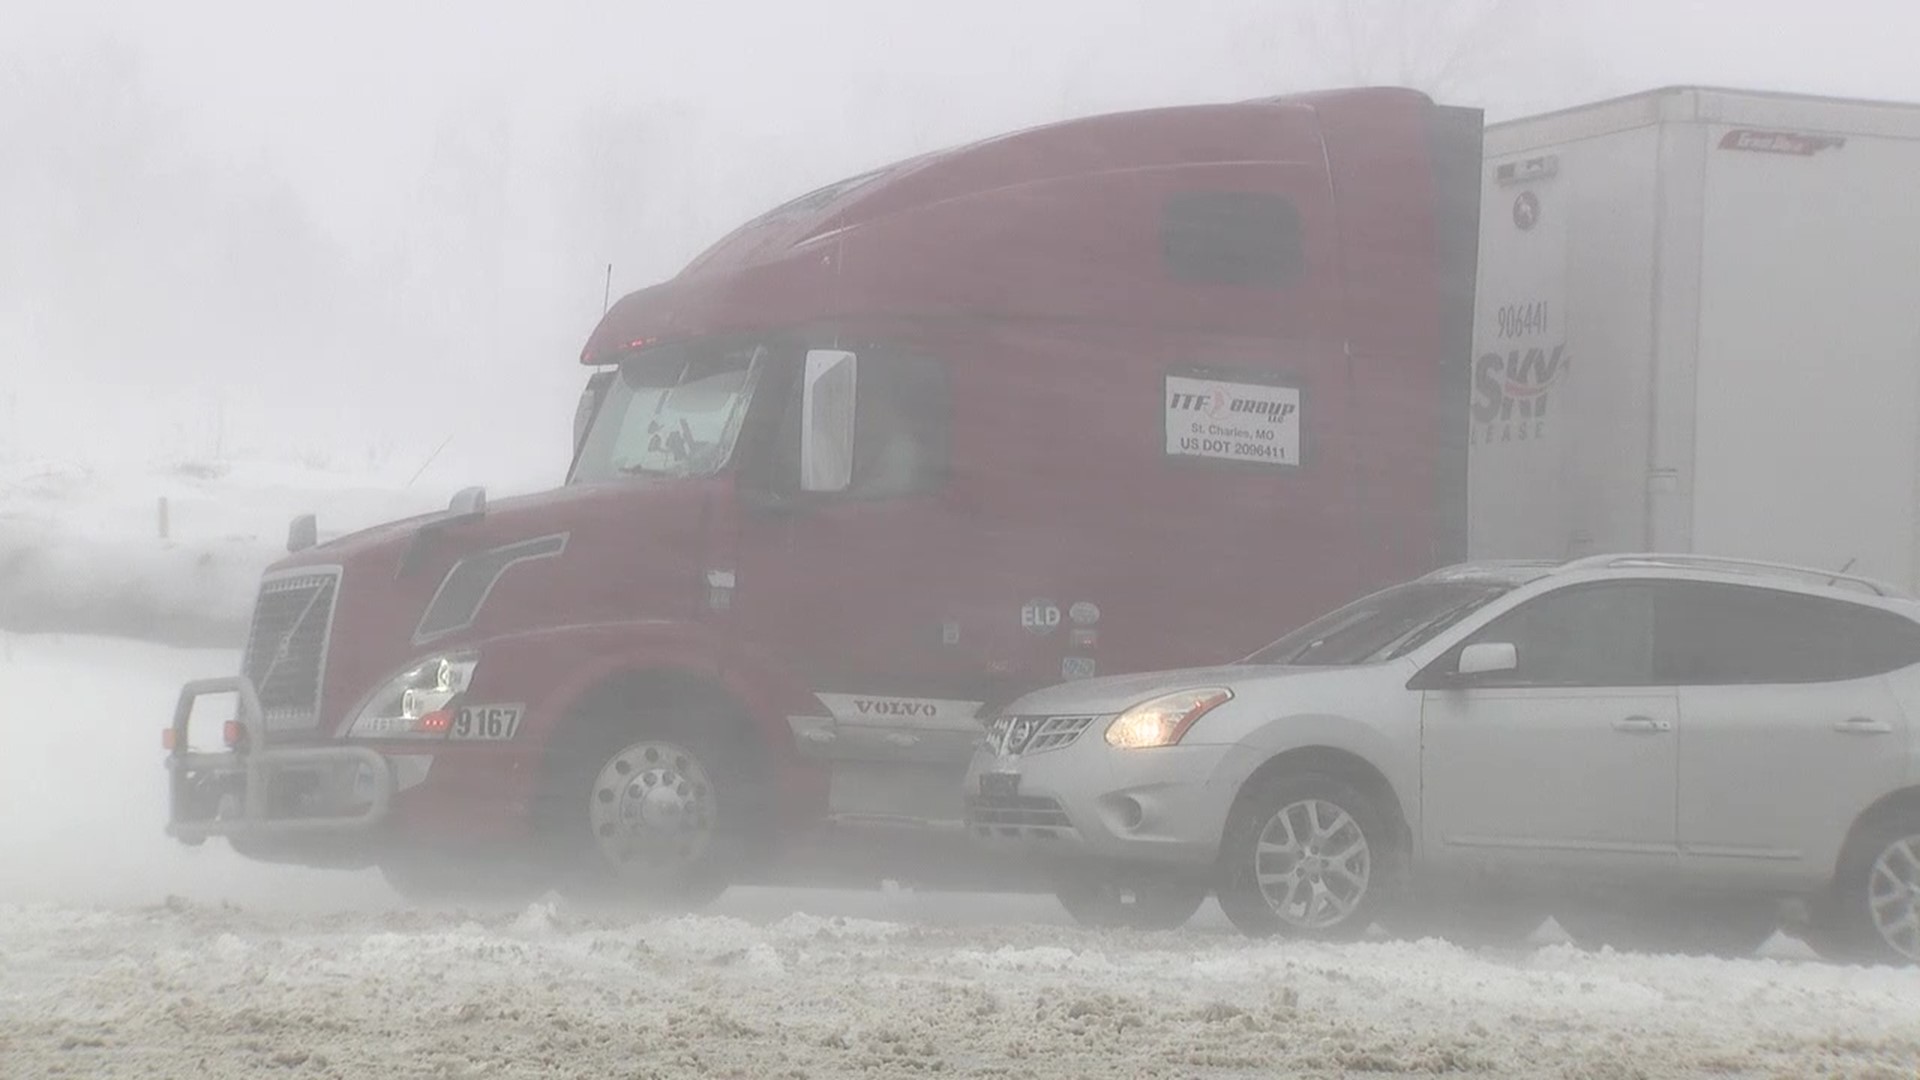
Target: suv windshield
(674, 410)
(1380, 627)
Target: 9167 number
(488, 722)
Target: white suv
(1661, 751)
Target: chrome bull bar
(259, 767)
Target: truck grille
(287, 646)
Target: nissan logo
(1019, 731)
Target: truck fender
(554, 670)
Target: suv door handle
(1861, 725)
(1642, 725)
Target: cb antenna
(606, 296)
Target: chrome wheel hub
(652, 809)
(1893, 896)
(1313, 864)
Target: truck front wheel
(661, 821)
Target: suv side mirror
(826, 421)
(1489, 657)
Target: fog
(258, 260)
(356, 235)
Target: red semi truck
(1120, 393)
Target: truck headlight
(1163, 720)
(416, 704)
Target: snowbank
(224, 991)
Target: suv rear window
(1712, 634)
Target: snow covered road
(122, 954)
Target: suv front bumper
(258, 790)
(1090, 801)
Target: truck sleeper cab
(1116, 394)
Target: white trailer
(1698, 330)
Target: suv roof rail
(1489, 566)
(1654, 560)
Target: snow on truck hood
(591, 553)
(506, 518)
(602, 520)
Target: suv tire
(1872, 912)
(1305, 855)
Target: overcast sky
(248, 219)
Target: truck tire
(655, 815)
(1871, 914)
(1729, 928)
(1305, 855)
(1133, 902)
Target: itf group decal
(1232, 421)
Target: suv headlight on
(418, 702)
(1163, 720)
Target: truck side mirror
(826, 421)
(596, 389)
(1488, 658)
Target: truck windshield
(1381, 627)
(674, 410)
